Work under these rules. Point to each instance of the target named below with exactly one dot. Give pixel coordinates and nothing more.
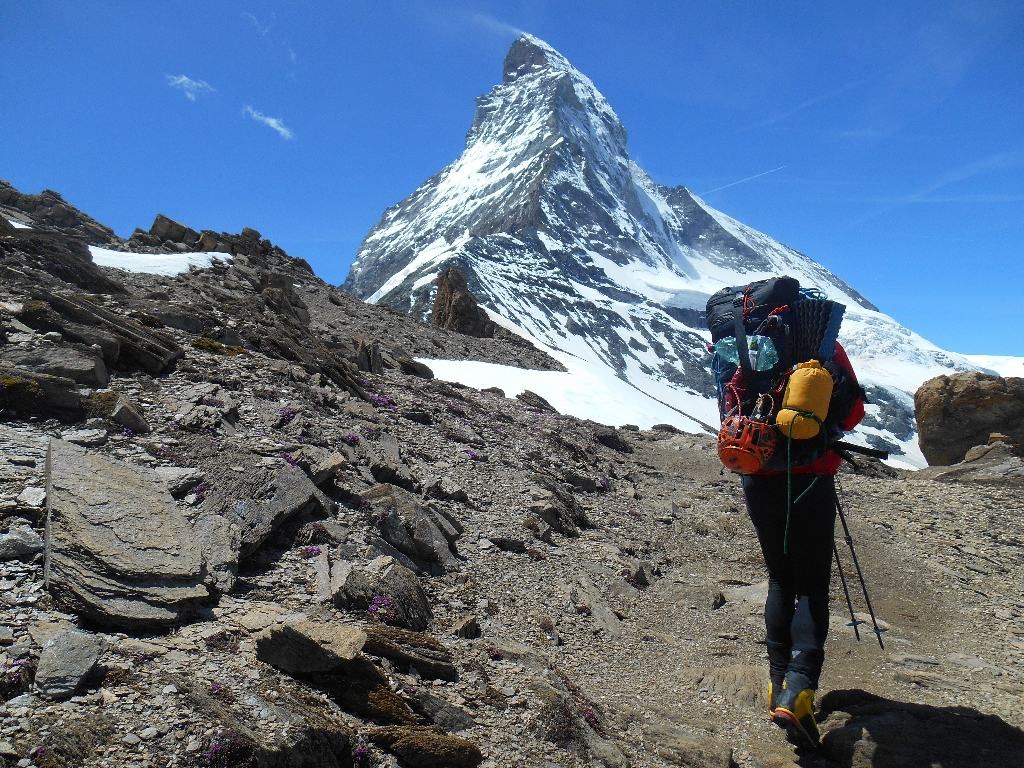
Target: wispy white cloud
(256, 23)
(801, 107)
(913, 199)
(998, 162)
(494, 25)
(749, 178)
(191, 88)
(865, 133)
(270, 122)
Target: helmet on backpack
(745, 445)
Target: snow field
(154, 263)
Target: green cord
(789, 472)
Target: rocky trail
(243, 525)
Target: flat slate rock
(862, 730)
(19, 541)
(88, 438)
(66, 659)
(305, 647)
(118, 549)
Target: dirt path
(942, 582)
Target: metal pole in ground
(854, 621)
(860, 575)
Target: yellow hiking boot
(794, 711)
(772, 693)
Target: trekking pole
(854, 621)
(860, 575)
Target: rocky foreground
(243, 525)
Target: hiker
(786, 393)
(799, 572)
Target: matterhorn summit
(566, 240)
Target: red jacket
(832, 459)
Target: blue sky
(883, 139)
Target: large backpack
(759, 332)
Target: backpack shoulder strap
(744, 354)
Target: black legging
(796, 613)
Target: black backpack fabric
(755, 302)
(805, 327)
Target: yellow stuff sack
(809, 390)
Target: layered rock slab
(118, 549)
(259, 502)
(62, 361)
(311, 736)
(426, 747)
(408, 649)
(994, 463)
(409, 528)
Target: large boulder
(456, 308)
(956, 413)
(166, 228)
(119, 551)
(408, 527)
(384, 587)
(258, 502)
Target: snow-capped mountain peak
(567, 240)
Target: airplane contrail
(757, 176)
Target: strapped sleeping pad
(800, 325)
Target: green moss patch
(20, 394)
(216, 348)
(99, 405)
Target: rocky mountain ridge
(241, 525)
(567, 240)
